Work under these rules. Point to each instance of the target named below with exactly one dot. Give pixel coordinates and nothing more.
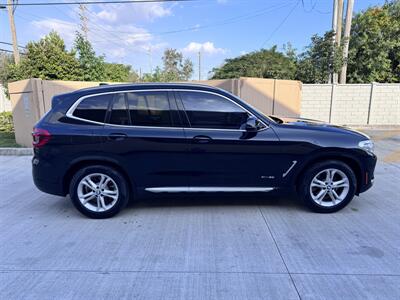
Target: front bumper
(367, 178)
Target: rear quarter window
(93, 108)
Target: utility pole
(338, 31)
(150, 53)
(334, 15)
(339, 21)
(11, 8)
(334, 25)
(347, 28)
(84, 20)
(199, 65)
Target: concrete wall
(31, 99)
(352, 104)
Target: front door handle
(117, 136)
(202, 139)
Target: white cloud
(116, 42)
(65, 29)
(118, 53)
(107, 16)
(207, 48)
(124, 41)
(128, 14)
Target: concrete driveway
(201, 248)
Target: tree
(49, 59)
(117, 72)
(321, 58)
(156, 76)
(175, 68)
(6, 60)
(374, 49)
(187, 69)
(92, 67)
(46, 59)
(265, 63)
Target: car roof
(104, 88)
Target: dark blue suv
(108, 144)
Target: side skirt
(193, 189)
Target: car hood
(318, 125)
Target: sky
(137, 34)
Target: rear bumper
(49, 187)
(44, 179)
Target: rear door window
(119, 111)
(149, 109)
(93, 108)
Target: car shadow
(63, 206)
(218, 199)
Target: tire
(114, 191)
(315, 182)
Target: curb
(16, 151)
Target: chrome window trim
(209, 189)
(71, 110)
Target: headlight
(367, 145)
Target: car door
(144, 132)
(222, 154)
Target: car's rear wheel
(328, 186)
(98, 191)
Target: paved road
(201, 248)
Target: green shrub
(6, 122)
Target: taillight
(40, 137)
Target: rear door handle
(117, 136)
(202, 139)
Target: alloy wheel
(97, 192)
(329, 187)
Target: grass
(7, 140)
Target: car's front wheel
(98, 191)
(328, 186)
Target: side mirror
(251, 124)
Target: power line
(281, 23)
(96, 2)
(5, 50)
(9, 51)
(231, 20)
(312, 6)
(6, 43)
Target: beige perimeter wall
(352, 104)
(31, 98)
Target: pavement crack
(279, 251)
